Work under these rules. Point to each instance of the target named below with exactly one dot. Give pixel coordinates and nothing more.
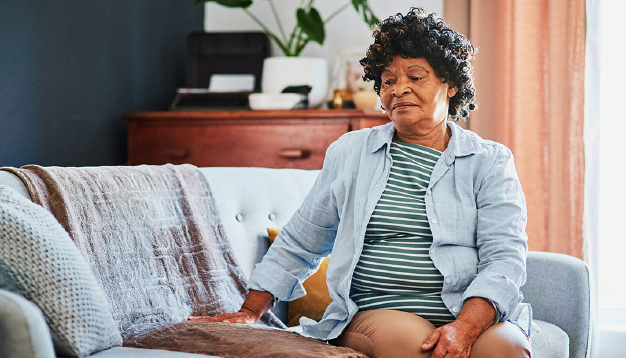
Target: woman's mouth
(403, 105)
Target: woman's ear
(452, 91)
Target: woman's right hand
(255, 306)
(243, 317)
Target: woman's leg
(389, 333)
(501, 340)
(386, 334)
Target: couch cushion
(550, 342)
(39, 261)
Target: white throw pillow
(39, 261)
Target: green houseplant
(309, 23)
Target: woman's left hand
(455, 340)
(451, 340)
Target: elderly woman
(425, 221)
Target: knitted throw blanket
(152, 237)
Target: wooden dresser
(272, 139)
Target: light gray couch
(252, 199)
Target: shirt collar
(460, 144)
(381, 136)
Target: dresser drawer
(274, 145)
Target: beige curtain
(529, 75)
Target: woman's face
(414, 97)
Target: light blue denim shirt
(474, 203)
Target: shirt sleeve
(303, 242)
(500, 236)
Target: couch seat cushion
(550, 342)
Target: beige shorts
(397, 334)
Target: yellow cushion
(317, 298)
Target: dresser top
(275, 114)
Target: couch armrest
(23, 329)
(558, 289)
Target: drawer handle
(294, 153)
(177, 153)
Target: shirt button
(428, 192)
(447, 281)
(432, 251)
(272, 217)
(239, 217)
(455, 309)
(434, 221)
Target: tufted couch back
(250, 200)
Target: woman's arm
(500, 235)
(502, 244)
(456, 339)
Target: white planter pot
(280, 72)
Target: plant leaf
(311, 24)
(362, 7)
(229, 3)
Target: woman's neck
(436, 138)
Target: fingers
(446, 343)
(206, 319)
(431, 340)
(441, 352)
(237, 317)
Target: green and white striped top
(395, 270)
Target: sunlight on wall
(612, 172)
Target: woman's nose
(401, 87)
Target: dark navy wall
(70, 69)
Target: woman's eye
(416, 78)
(387, 82)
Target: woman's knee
(501, 340)
(387, 333)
